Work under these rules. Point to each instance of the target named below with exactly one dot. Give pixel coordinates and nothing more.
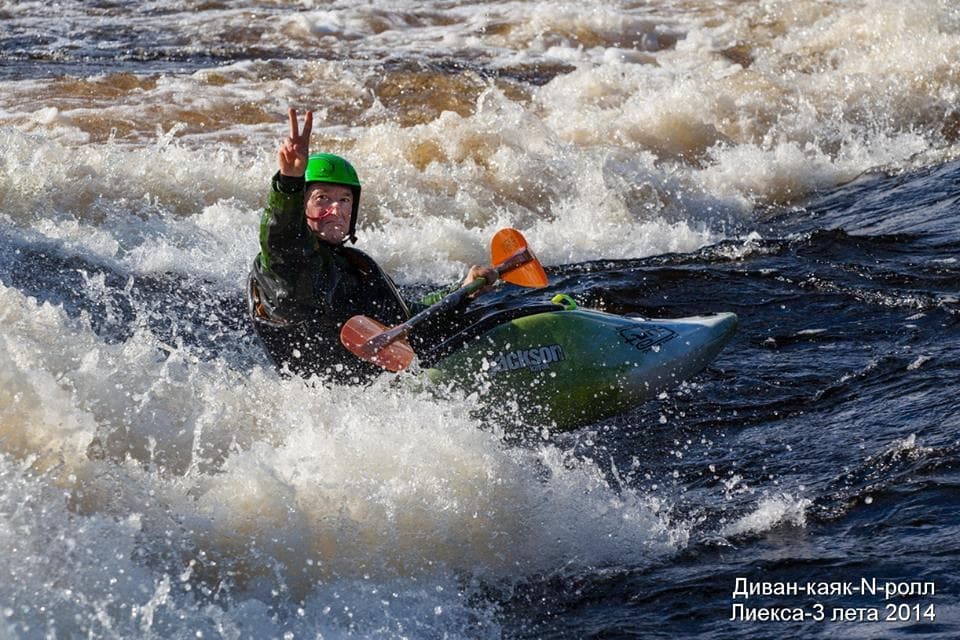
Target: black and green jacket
(302, 290)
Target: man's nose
(330, 209)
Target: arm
(282, 227)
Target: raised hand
(293, 152)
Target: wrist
(289, 184)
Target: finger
(284, 158)
(307, 127)
(294, 129)
(300, 147)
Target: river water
(794, 162)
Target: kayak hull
(567, 368)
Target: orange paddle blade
(359, 334)
(506, 243)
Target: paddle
(387, 347)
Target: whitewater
(797, 163)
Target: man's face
(328, 209)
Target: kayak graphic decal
(645, 338)
(534, 359)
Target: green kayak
(565, 366)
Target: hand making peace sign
(293, 152)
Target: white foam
(770, 512)
(305, 490)
(619, 158)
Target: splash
(175, 487)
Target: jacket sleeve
(283, 229)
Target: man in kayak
(305, 283)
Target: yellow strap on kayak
(565, 301)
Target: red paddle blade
(359, 334)
(505, 244)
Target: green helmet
(332, 169)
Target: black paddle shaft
(375, 344)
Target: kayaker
(305, 283)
